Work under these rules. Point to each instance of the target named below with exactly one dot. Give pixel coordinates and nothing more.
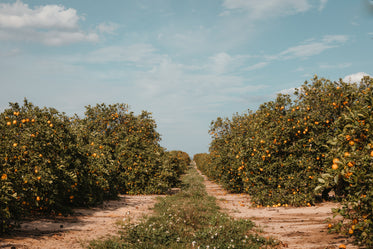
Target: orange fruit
(335, 166)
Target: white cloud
(322, 4)
(335, 39)
(310, 48)
(289, 91)
(314, 47)
(259, 9)
(50, 38)
(258, 66)
(108, 28)
(306, 50)
(220, 62)
(19, 15)
(355, 77)
(57, 38)
(52, 25)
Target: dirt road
(296, 227)
(76, 231)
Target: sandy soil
(295, 227)
(76, 231)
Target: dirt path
(303, 227)
(76, 231)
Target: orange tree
(181, 160)
(202, 161)
(277, 153)
(123, 150)
(349, 163)
(35, 169)
(50, 163)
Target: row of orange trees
(295, 149)
(50, 162)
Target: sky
(187, 62)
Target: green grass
(188, 219)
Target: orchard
(296, 149)
(51, 162)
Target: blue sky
(188, 62)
